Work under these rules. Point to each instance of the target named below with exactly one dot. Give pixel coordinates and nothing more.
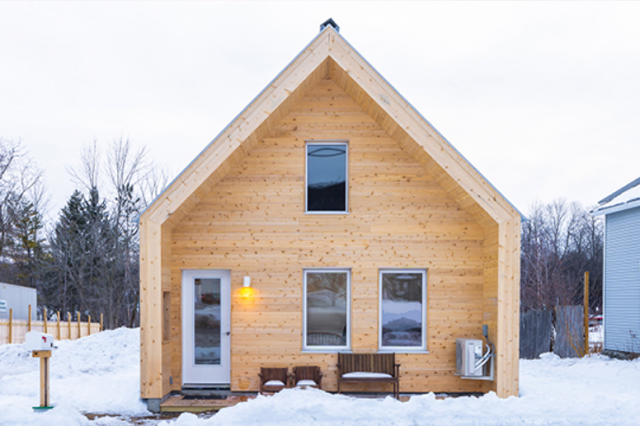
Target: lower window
(327, 293)
(403, 304)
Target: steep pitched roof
(329, 54)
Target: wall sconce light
(246, 291)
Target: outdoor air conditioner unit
(472, 362)
(468, 356)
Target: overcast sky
(543, 98)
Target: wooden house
(621, 278)
(328, 217)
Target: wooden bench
(369, 368)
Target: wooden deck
(180, 403)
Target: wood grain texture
(253, 223)
(151, 248)
(414, 203)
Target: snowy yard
(99, 375)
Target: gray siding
(622, 281)
(19, 298)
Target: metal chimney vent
(328, 22)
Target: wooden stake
(79, 328)
(89, 325)
(100, 322)
(69, 323)
(44, 316)
(586, 312)
(10, 325)
(58, 316)
(29, 320)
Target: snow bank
(95, 374)
(591, 391)
(100, 374)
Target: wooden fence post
(10, 325)
(79, 328)
(69, 323)
(29, 320)
(101, 322)
(58, 316)
(44, 316)
(586, 313)
(88, 325)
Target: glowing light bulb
(246, 292)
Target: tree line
(560, 242)
(87, 260)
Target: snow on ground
(95, 374)
(100, 374)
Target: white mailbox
(37, 341)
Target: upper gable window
(326, 177)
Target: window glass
(402, 310)
(326, 177)
(206, 312)
(327, 307)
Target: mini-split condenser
(472, 362)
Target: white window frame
(423, 346)
(308, 143)
(308, 348)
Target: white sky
(543, 98)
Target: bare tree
(126, 169)
(87, 176)
(95, 245)
(560, 241)
(153, 183)
(18, 176)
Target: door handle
(228, 333)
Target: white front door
(206, 327)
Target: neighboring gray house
(18, 298)
(621, 282)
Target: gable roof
(624, 198)
(329, 54)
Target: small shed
(328, 217)
(18, 298)
(621, 278)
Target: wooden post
(88, 325)
(586, 312)
(10, 325)
(79, 328)
(69, 323)
(29, 320)
(58, 316)
(101, 322)
(44, 316)
(44, 377)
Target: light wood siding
(252, 222)
(151, 248)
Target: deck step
(178, 403)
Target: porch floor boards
(178, 403)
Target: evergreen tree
(27, 248)
(67, 250)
